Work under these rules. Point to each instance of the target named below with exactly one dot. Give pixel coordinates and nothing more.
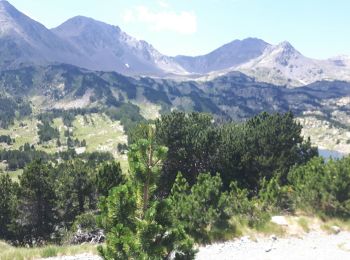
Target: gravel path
(76, 257)
(312, 246)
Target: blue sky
(317, 28)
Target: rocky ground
(76, 257)
(313, 245)
(297, 242)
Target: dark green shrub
(202, 208)
(250, 211)
(109, 175)
(86, 222)
(323, 187)
(275, 197)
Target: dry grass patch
(8, 252)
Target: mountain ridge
(231, 54)
(94, 45)
(109, 48)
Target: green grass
(341, 223)
(303, 223)
(8, 252)
(49, 251)
(13, 174)
(58, 123)
(270, 228)
(22, 134)
(100, 133)
(148, 110)
(28, 133)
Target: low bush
(322, 187)
(202, 208)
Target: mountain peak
(284, 52)
(13, 22)
(81, 24)
(286, 46)
(109, 48)
(84, 20)
(8, 11)
(5, 3)
(229, 55)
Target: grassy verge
(328, 225)
(304, 224)
(8, 252)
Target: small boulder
(335, 229)
(273, 237)
(279, 220)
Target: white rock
(279, 220)
(336, 229)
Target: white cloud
(183, 22)
(163, 3)
(128, 16)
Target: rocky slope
(284, 65)
(23, 40)
(106, 47)
(80, 41)
(229, 55)
(233, 96)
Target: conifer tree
(139, 226)
(37, 199)
(109, 175)
(8, 206)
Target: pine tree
(191, 139)
(8, 206)
(109, 175)
(74, 188)
(37, 199)
(138, 225)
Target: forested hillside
(234, 95)
(192, 180)
(62, 108)
(80, 146)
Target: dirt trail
(294, 244)
(311, 246)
